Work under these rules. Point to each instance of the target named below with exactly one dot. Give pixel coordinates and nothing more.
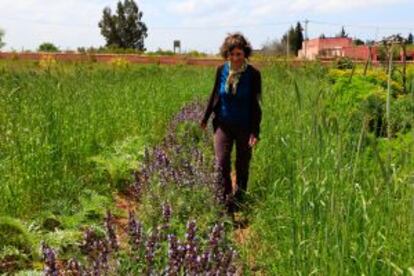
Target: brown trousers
(224, 138)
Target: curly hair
(235, 40)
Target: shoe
(239, 198)
(230, 207)
(234, 206)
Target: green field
(329, 193)
(51, 123)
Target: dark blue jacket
(213, 105)
(235, 108)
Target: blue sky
(200, 24)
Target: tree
(109, 29)
(342, 33)
(358, 42)
(288, 40)
(298, 37)
(295, 36)
(410, 38)
(1, 39)
(125, 29)
(48, 47)
(322, 36)
(274, 47)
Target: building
(361, 52)
(332, 47)
(324, 47)
(409, 54)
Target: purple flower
(174, 256)
(49, 258)
(150, 248)
(135, 232)
(166, 212)
(110, 231)
(192, 262)
(73, 267)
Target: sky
(200, 24)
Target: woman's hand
(252, 140)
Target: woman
(237, 114)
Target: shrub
(402, 111)
(120, 62)
(119, 161)
(344, 63)
(47, 62)
(14, 233)
(48, 47)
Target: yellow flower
(47, 61)
(120, 62)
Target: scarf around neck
(235, 76)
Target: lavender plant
(187, 257)
(49, 259)
(191, 261)
(174, 256)
(162, 251)
(135, 232)
(150, 248)
(110, 231)
(74, 268)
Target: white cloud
(335, 6)
(184, 7)
(259, 10)
(197, 7)
(56, 12)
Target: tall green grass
(325, 201)
(53, 121)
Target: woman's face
(236, 57)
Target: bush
(373, 108)
(48, 47)
(195, 53)
(344, 63)
(120, 62)
(47, 62)
(108, 50)
(14, 233)
(365, 98)
(117, 163)
(381, 78)
(161, 52)
(402, 111)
